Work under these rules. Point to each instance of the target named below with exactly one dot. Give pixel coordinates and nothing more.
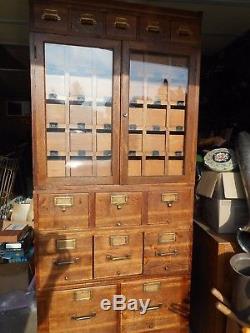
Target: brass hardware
(67, 262)
(118, 224)
(154, 307)
(65, 244)
(66, 278)
(125, 115)
(154, 27)
(119, 200)
(184, 31)
(121, 23)
(64, 202)
(87, 19)
(114, 258)
(169, 198)
(50, 15)
(167, 237)
(166, 254)
(118, 240)
(82, 295)
(151, 287)
(89, 316)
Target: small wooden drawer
(55, 114)
(154, 142)
(135, 142)
(167, 252)
(154, 166)
(63, 211)
(81, 141)
(156, 117)
(56, 166)
(103, 166)
(176, 145)
(171, 207)
(135, 118)
(81, 166)
(118, 254)
(103, 142)
(134, 167)
(118, 209)
(177, 95)
(78, 310)
(50, 18)
(81, 115)
(154, 28)
(175, 167)
(103, 115)
(168, 310)
(121, 26)
(87, 22)
(63, 258)
(176, 120)
(56, 142)
(185, 31)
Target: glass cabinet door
(79, 122)
(158, 86)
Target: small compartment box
(81, 166)
(135, 116)
(175, 167)
(118, 254)
(177, 95)
(55, 113)
(121, 25)
(56, 141)
(156, 116)
(80, 114)
(88, 22)
(167, 252)
(134, 166)
(154, 166)
(176, 120)
(103, 166)
(103, 141)
(135, 141)
(154, 142)
(154, 28)
(56, 166)
(176, 145)
(81, 141)
(103, 115)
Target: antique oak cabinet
(115, 100)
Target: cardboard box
(223, 204)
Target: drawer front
(168, 309)
(167, 252)
(50, 18)
(81, 115)
(56, 142)
(185, 31)
(118, 209)
(78, 310)
(55, 113)
(121, 26)
(117, 254)
(87, 22)
(82, 141)
(154, 28)
(63, 258)
(63, 211)
(171, 208)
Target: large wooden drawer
(168, 309)
(171, 208)
(63, 258)
(118, 209)
(63, 211)
(78, 311)
(118, 254)
(167, 252)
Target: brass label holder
(118, 240)
(66, 244)
(64, 202)
(119, 200)
(167, 237)
(82, 295)
(151, 287)
(169, 198)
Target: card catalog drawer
(55, 113)
(121, 26)
(103, 142)
(81, 166)
(56, 166)
(87, 22)
(103, 116)
(136, 117)
(118, 209)
(176, 120)
(134, 167)
(81, 115)
(185, 31)
(168, 309)
(176, 145)
(56, 142)
(135, 142)
(154, 28)
(154, 142)
(175, 167)
(154, 166)
(63, 211)
(118, 254)
(156, 117)
(63, 258)
(81, 141)
(78, 310)
(167, 252)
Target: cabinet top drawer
(154, 28)
(87, 22)
(121, 25)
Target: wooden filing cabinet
(114, 133)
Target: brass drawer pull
(154, 307)
(169, 198)
(113, 258)
(153, 28)
(89, 316)
(119, 200)
(87, 19)
(166, 254)
(67, 262)
(64, 202)
(50, 15)
(121, 23)
(184, 31)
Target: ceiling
(223, 20)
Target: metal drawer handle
(154, 307)
(67, 262)
(87, 19)
(153, 28)
(121, 23)
(165, 254)
(184, 31)
(78, 318)
(113, 258)
(50, 15)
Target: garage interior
(223, 114)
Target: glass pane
(78, 110)
(157, 107)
